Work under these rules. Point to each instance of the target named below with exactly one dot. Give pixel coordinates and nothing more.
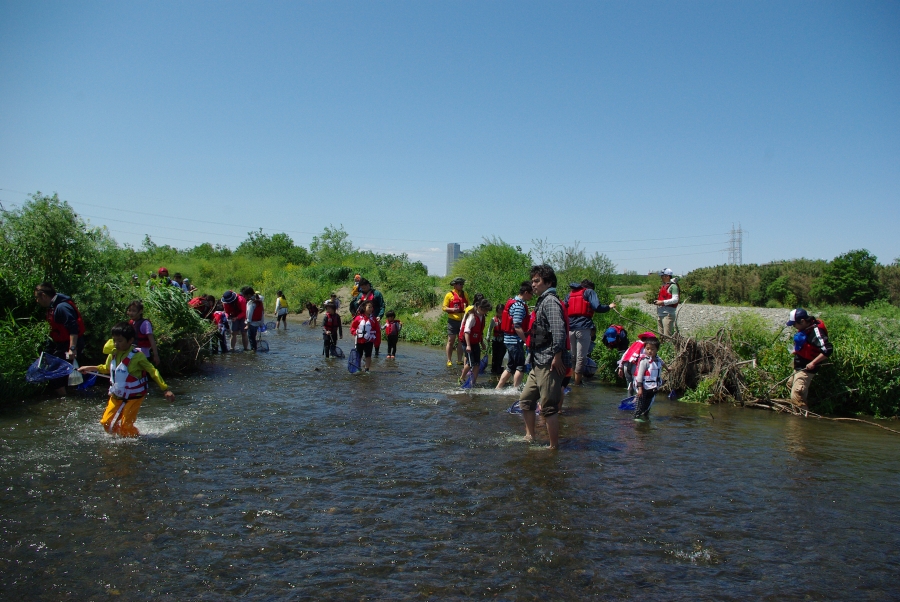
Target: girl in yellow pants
(129, 371)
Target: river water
(280, 476)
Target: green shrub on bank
(860, 377)
(417, 329)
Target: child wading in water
(647, 379)
(392, 332)
(472, 334)
(143, 331)
(281, 310)
(220, 318)
(331, 328)
(365, 329)
(128, 369)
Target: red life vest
(665, 295)
(458, 303)
(392, 327)
(506, 323)
(577, 306)
(58, 332)
(477, 333)
(236, 310)
(258, 311)
(809, 351)
(358, 327)
(129, 387)
(498, 329)
(330, 322)
(634, 352)
(140, 340)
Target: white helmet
(666, 272)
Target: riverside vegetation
(46, 240)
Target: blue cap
(797, 315)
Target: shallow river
(272, 480)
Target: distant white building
(452, 255)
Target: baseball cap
(797, 315)
(458, 281)
(666, 272)
(161, 270)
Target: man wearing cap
(581, 303)
(811, 348)
(666, 304)
(454, 305)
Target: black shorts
(365, 349)
(474, 356)
(453, 327)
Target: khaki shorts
(544, 385)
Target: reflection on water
(274, 480)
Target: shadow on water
(282, 476)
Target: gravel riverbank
(691, 316)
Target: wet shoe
(449, 364)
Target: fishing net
(262, 347)
(48, 367)
(337, 352)
(353, 362)
(270, 325)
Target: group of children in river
(132, 343)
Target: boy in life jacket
(615, 337)
(144, 340)
(392, 332)
(472, 336)
(365, 328)
(128, 369)
(810, 350)
(220, 319)
(516, 323)
(332, 330)
(630, 359)
(647, 379)
(495, 334)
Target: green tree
(493, 268)
(850, 279)
(259, 244)
(332, 246)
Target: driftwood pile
(707, 359)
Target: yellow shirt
(139, 364)
(448, 302)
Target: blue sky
(643, 130)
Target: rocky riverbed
(691, 316)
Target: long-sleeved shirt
(549, 317)
(584, 322)
(139, 364)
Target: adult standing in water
(368, 294)
(549, 335)
(811, 348)
(582, 302)
(66, 328)
(454, 305)
(666, 304)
